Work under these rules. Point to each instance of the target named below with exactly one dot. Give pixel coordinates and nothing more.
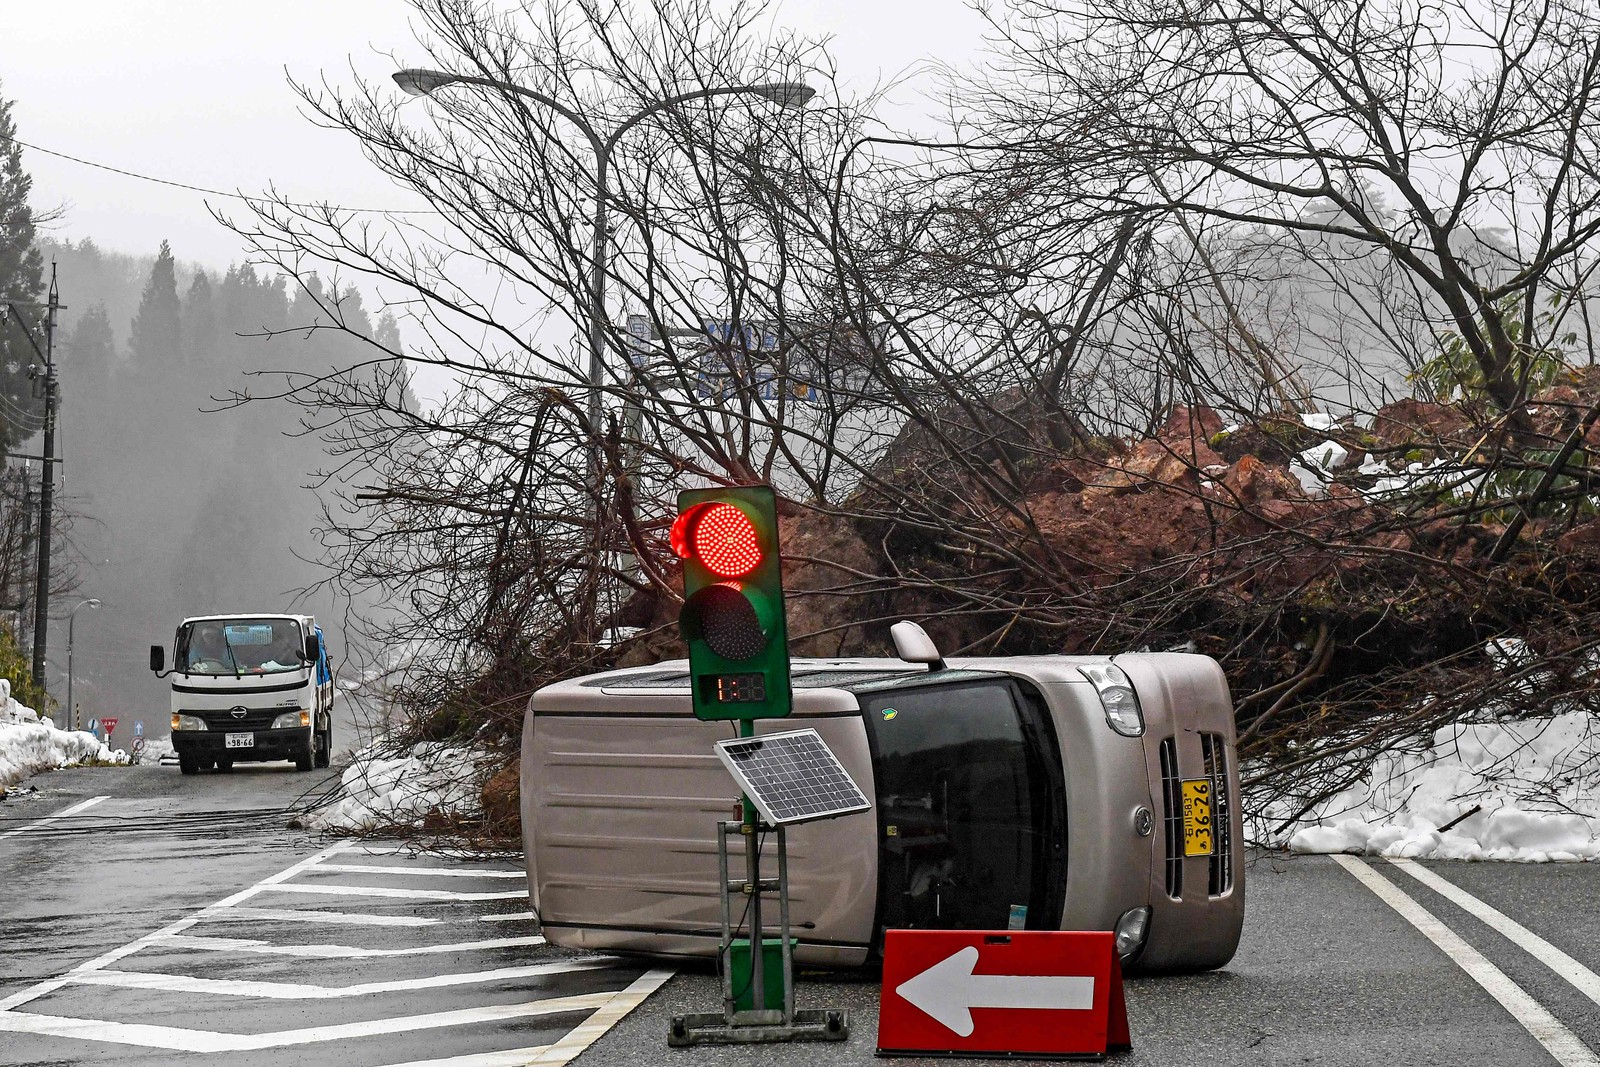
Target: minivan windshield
(971, 807)
(240, 646)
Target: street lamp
(420, 82)
(72, 617)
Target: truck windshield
(240, 646)
(971, 807)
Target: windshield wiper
(229, 646)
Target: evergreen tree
(156, 335)
(21, 281)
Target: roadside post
(733, 622)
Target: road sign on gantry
(732, 617)
(1044, 993)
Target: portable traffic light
(732, 614)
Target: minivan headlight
(188, 722)
(290, 720)
(1131, 931)
(1117, 697)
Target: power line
(208, 191)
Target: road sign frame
(931, 962)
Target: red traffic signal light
(732, 617)
(720, 537)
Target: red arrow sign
(109, 724)
(974, 991)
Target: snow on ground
(29, 745)
(1536, 783)
(403, 790)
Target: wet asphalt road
(1328, 973)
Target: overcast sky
(196, 91)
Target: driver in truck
(209, 652)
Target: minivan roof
(821, 686)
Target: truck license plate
(249, 741)
(1197, 835)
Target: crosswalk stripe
(183, 983)
(313, 915)
(267, 948)
(180, 1039)
(425, 872)
(384, 891)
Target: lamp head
(93, 602)
(786, 94)
(418, 82)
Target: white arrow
(948, 990)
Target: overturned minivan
(1035, 792)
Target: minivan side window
(970, 807)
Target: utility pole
(41, 594)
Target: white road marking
(591, 1029)
(436, 853)
(62, 814)
(427, 872)
(1580, 977)
(49, 985)
(402, 894)
(510, 916)
(183, 983)
(314, 915)
(511, 1057)
(180, 1039)
(1545, 1028)
(338, 952)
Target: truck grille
(254, 719)
(1172, 817)
(1215, 753)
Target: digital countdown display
(735, 688)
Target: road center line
(1580, 977)
(1545, 1028)
(62, 814)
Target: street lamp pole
(72, 617)
(420, 82)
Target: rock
(1251, 481)
(1409, 421)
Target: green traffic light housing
(732, 615)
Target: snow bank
(29, 745)
(1536, 783)
(386, 791)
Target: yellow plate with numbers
(1198, 839)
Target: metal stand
(760, 1024)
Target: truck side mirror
(158, 658)
(311, 649)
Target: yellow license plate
(1198, 839)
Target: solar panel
(792, 778)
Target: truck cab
(249, 688)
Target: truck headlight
(1117, 697)
(289, 720)
(188, 722)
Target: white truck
(249, 688)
